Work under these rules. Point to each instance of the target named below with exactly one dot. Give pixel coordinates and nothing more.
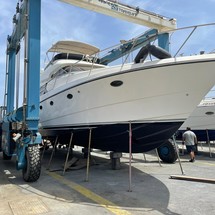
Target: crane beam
(128, 13)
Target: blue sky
(61, 21)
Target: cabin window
(41, 107)
(69, 96)
(116, 83)
(209, 113)
(51, 102)
(65, 70)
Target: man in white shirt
(189, 139)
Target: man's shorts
(190, 148)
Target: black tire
(167, 152)
(6, 157)
(31, 172)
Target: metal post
(53, 150)
(130, 155)
(156, 150)
(144, 157)
(11, 81)
(182, 171)
(33, 64)
(88, 156)
(17, 78)
(208, 140)
(67, 156)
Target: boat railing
(193, 45)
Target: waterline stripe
(90, 195)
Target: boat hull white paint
(202, 121)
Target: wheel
(32, 170)
(6, 157)
(167, 152)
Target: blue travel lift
(19, 128)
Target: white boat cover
(74, 47)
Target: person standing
(190, 140)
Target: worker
(190, 140)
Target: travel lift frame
(23, 122)
(20, 135)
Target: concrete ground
(149, 190)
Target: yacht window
(76, 69)
(62, 71)
(69, 96)
(66, 70)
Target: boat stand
(115, 160)
(144, 155)
(88, 155)
(176, 147)
(208, 141)
(68, 152)
(130, 155)
(156, 150)
(53, 150)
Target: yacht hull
(155, 97)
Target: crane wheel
(167, 152)
(31, 172)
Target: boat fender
(142, 54)
(159, 52)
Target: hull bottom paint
(115, 137)
(202, 135)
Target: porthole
(69, 96)
(51, 102)
(209, 113)
(41, 107)
(116, 83)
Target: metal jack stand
(144, 157)
(156, 150)
(130, 156)
(182, 171)
(68, 152)
(88, 155)
(208, 140)
(53, 150)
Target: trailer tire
(6, 157)
(167, 152)
(31, 172)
